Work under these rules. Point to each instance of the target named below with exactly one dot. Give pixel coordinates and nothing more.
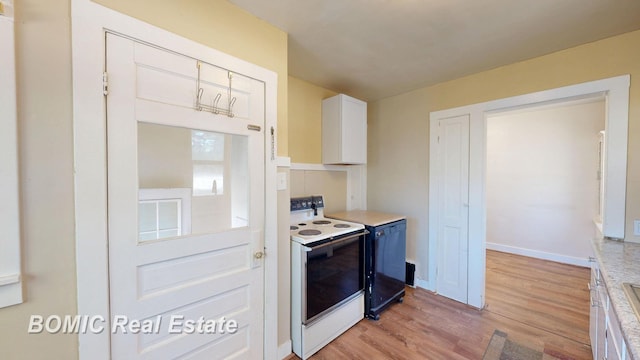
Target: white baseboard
(424, 284)
(284, 350)
(539, 254)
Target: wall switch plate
(281, 181)
(636, 227)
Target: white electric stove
(327, 275)
(308, 224)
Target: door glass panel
(208, 179)
(147, 221)
(169, 214)
(190, 181)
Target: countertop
(366, 217)
(619, 263)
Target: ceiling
(372, 49)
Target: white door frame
(89, 22)
(616, 92)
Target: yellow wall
(398, 126)
(225, 27)
(615, 56)
(305, 121)
(610, 57)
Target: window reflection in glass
(208, 170)
(207, 153)
(159, 219)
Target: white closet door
(453, 208)
(186, 207)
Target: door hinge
(105, 84)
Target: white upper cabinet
(344, 130)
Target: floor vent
(411, 272)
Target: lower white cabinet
(607, 341)
(597, 316)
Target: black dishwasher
(385, 268)
(384, 257)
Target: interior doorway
(542, 179)
(614, 91)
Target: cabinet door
(354, 131)
(615, 340)
(601, 337)
(344, 130)
(612, 350)
(627, 354)
(593, 315)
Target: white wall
(542, 189)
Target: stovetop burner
(309, 232)
(322, 222)
(308, 224)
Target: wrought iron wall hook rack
(214, 107)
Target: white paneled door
(453, 208)
(186, 207)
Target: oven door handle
(338, 241)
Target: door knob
(258, 255)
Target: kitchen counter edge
(367, 217)
(620, 263)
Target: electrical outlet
(636, 227)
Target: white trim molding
(9, 279)
(614, 90)
(284, 350)
(89, 23)
(10, 265)
(283, 161)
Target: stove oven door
(333, 274)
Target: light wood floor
(540, 304)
